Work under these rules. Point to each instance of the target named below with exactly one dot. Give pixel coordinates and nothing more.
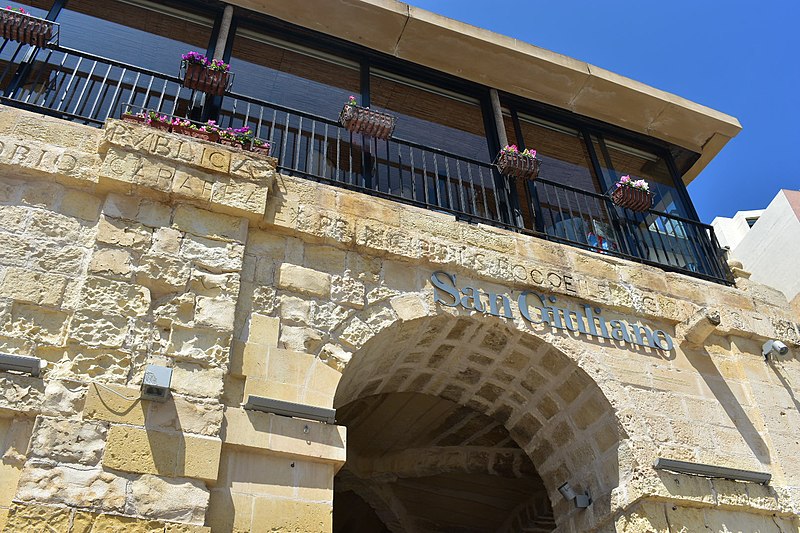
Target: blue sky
(741, 58)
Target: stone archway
(541, 421)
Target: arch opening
(463, 424)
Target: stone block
(141, 451)
(214, 256)
(80, 204)
(73, 485)
(204, 345)
(33, 287)
(285, 436)
(123, 233)
(94, 523)
(290, 515)
(195, 380)
(111, 261)
(304, 280)
(21, 394)
(263, 330)
(118, 297)
(230, 511)
(409, 307)
(348, 292)
(254, 360)
(210, 225)
(60, 400)
(185, 528)
(68, 441)
(163, 273)
(199, 457)
(35, 518)
(179, 500)
(39, 324)
(215, 312)
(192, 415)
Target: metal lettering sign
(537, 308)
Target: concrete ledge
(285, 436)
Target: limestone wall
(125, 246)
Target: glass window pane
(147, 35)
(292, 76)
(431, 116)
(618, 159)
(562, 151)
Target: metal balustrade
(82, 87)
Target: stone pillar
(224, 29)
(498, 117)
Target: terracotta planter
(234, 144)
(264, 149)
(164, 126)
(25, 28)
(211, 136)
(365, 121)
(134, 118)
(200, 78)
(634, 199)
(518, 166)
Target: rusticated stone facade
(127, 246)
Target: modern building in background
(365, 332)
(767, 242)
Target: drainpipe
(498, 117)
(224, 28)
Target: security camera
(773, 348)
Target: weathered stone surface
(23, 394)
(68, 441)
(209, 346)
(74, 486)
(347, 291)
(37, 518)
(180, 500)
(33, 287)
(215, 312)
(211, 225)
(111, 261)
(214, 256)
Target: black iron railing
(83, 87)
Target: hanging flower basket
(201, 74)
(18, 25)
(633, 195)
(365, 121)
(511, 162)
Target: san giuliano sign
(539, 308)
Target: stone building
(767, 243)
(502, 354)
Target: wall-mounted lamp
(773, 348)
(156, 382)
(296, 410)
(21, 363)
(582, 501)
(698, 469)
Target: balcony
(79, 86)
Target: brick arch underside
(552, 409)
